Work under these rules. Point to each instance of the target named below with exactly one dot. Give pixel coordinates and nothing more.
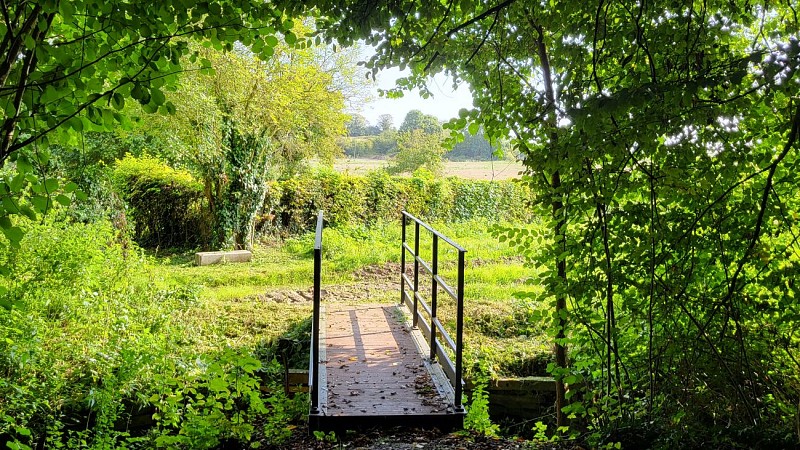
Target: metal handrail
(313, 366)
(414, 300)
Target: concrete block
(206, 258)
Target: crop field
(474, 170)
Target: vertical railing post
(315, 326)
(459, 331)
(403, 259)
(434, 291)
(416, 271)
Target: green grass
(235, 299)
(97, 326)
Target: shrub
(348, 199)
(165, 203)
(91, 341)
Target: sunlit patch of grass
(245, 304)
(241, 322)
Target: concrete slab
(206, 258)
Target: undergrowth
(103, 345)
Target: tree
(417, 120)
(474, 147)
(661, 140)
(385, 122)
(69, 66)
(416, 149)
(357, 126)
(247, 121)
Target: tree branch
(480, 17)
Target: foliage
(96, 339)
(475, 147)
(30, 190)
(358, 126)
(477, 418)
(418, 149)
(248, 121)
(349, 200)
(165, 203)
(68, 67)
(417, 120)
(385, 122)
(219, 402)
(378, 145)
(661, 140)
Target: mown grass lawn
(269, 298)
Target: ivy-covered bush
(347, 199)
(165, 204)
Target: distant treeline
(381, 140)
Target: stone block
(206, 258)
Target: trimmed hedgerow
(347, 199)
(166, 204)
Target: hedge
(168, 205)
(291, 205)
(165, 204)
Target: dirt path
(405, 439)
(373, 284)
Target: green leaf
(118, 100)
(40, 203)
(28, 212)
(9, 109)
(70, 187)
(23, 165)
(51, 185)
(16, 183)
(63, 199)
(14, 234)
(157, 97)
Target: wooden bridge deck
(373, 373)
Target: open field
(475, 170)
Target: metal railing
(414, 301)
(313, 366)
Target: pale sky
(444, 104)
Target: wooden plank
(374, 370)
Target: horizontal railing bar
(408, 281)
(444, 334)
(424, 327)
(424, 264)
(429, 228)
(422, 302)
(408, 249)
(445, 286)
(408, 301)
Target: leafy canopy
(67, 67)
(661, 139)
